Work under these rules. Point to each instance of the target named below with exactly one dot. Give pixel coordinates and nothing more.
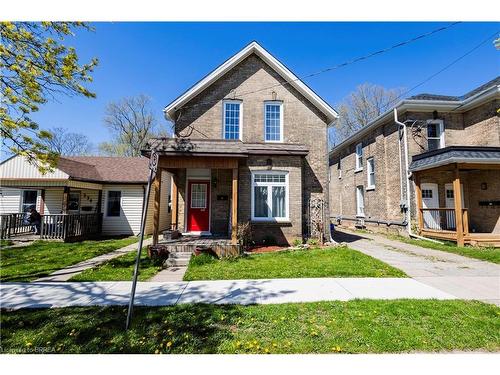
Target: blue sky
(164, 59)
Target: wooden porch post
(65, 200)
(457, 193)
(175, 202)
(234, 208)
(418, 193)
(156, 205)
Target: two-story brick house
(250, 145)
(402, 171)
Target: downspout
(408, 175)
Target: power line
(385, 106)
(346, 63)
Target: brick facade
(479, 126)
(303, 124)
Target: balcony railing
(66, 227)
(443, 219)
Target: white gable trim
(281, 69)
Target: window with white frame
(360, 201)
(435, 134)
(114, 203)
(269, 195)
(370, 171)
(273, 121)
(359, 156)
(29, 200)
(232, 119)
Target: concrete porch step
(178, 259)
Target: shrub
(297, 242)
(244, 234)
(313, 242)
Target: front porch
(204, 198)
(456, 191)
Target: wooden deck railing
(66, 227)
(443, 219)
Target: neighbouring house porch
(457, 194)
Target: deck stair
(178, 259)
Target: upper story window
(232, 119)
(370, 171)
(359, 157)
(435, 134)
(273, 121)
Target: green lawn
(121, 269)
(332, 262)
(44, 257)
(490, 254)
(359, 326)
(4, 243)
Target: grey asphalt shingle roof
(487, 85)
(455, 154)
(183, 146)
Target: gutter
(408, 175)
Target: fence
(443, 219)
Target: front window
(360, 201)
(270, 196)
(74, 201)
(114, 203)
(370, 163)
(232, 120)
(435, 135)
(359, 156)
(273, 121)
(29, 200)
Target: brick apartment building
(411, 161)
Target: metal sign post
(153, 166)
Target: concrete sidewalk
(266, 291)
(67, 273)
(461, 276)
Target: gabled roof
(280, 68)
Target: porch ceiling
(467, 157)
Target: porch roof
(455, 154)
(221, 147)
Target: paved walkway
(171, 273)
(67, 273)
(55, 294)
(460, 276)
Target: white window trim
(224, 117)
(270, 197)
(359, 166)
(368, 172)
(21, 201)
(274, 102)
(358, 211)
(441, 132)
(121, 204)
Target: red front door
(198, 206)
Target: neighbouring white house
(83, 195)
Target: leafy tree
(36, 67)
(361, 106)
(132, 122)
(64, 142)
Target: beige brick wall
(302, 124)
(477, 127)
